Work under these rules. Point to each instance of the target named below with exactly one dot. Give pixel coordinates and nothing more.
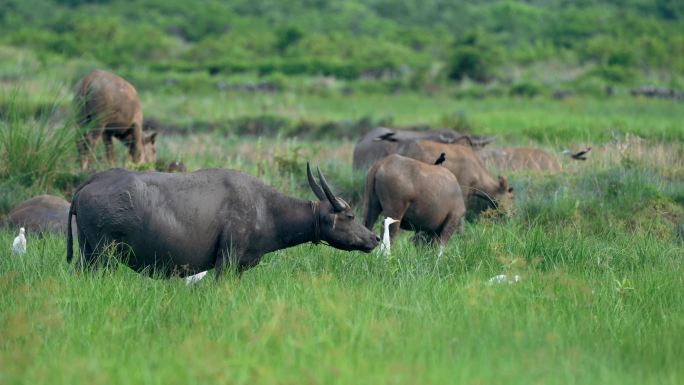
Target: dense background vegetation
(515, 47)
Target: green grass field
(599, 247)
(515, 120)
(265, 86)
(596, 304)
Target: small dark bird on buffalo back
(580, 155)
(388, 137)
(441, 159)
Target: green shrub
(472, 63)
(475, 56)
(620, 58)
(590, 85)
(525, 89)
(614, 74)
(288, 37)
(33, 150)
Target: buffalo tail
(72, 212)
(371, 205)
(70, 233)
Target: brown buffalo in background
(108, 106)
(382, 141)
(422, 197)
(476, 182)
(40, 214)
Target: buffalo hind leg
(372, 210)
(237, 262)
(103, 255)
(86, 256)
(109, 148)
(395, 211)
(452, 225)
(227, 259)
(87, 144)
(423, 238)
(247, 263)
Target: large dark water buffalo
(187, 223)
(381, 141)
(43, 213)
(109, 107)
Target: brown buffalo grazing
(476, 182)
(382, 141)
(108, 106)
(518, 159)
(424, 198)
(43, 213)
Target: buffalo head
(336, 222)
(505, 196)
(500, 199)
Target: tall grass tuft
(34, 149)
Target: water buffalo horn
(331, 197)
(312, 183)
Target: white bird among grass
(503, 278)
(193, 279)
(385, 246)
(19, 244)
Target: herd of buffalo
(183, 223)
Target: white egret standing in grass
(19, 244)
(192, 279)
(503, 278)
(385, 246)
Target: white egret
(503, 278)
(193, 279)
(385, 246)
(19, 244)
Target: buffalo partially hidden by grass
(108, 106)
(381, 141)
(43, 213)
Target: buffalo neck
(293, 222)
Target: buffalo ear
(503, 183)
(150, 136)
